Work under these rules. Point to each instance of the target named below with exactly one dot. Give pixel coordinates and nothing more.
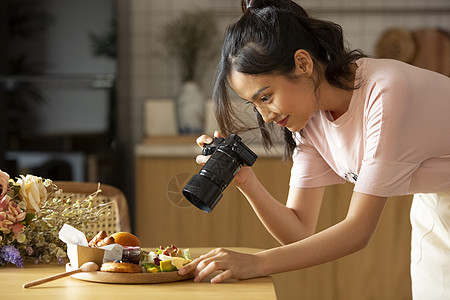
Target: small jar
(131, 255)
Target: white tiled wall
(151, 75)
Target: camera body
(228, 155)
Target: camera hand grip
(209, 149)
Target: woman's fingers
(201, 159)
(218, 134)
(221, 277)
(193, 264)
(203, 139)
(209, 263)
(233, 264)
(201, 266)
(189, 267)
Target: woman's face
(289, 103)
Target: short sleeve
(389, 158)
(384, 178)
(310, 170)
(393, 139)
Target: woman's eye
(265, 98)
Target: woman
(381, 124)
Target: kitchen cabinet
(380, 271)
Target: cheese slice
(179, 262)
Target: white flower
(4, 183)
(33, 191)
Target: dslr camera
(228, 155)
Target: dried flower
(190, 39)
(4, 184)
(32, 191)
(12, 255)
(33, 211)
(10, 216)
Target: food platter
(129, 278)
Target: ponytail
(281, 4)
(264, 40)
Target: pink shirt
(393, 140)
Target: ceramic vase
(190, 107)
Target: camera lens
(202, 193)
(205, 189)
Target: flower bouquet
(32, 212)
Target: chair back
(118, 220)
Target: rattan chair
(118, 220)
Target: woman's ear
(304, 64)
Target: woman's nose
(267, 115)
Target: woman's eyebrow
(259, 91)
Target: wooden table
(12, 278)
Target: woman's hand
(233, 264)
(242, 176)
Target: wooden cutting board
(129, 278)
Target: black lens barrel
(204, 189)
(202, 193)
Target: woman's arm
(287, 223)
(344, 238)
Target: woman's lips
(283, 122)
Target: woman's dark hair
(264, 41)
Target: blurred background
(90, 91)
(58, 74)
(75, 77)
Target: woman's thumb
(217, 134)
